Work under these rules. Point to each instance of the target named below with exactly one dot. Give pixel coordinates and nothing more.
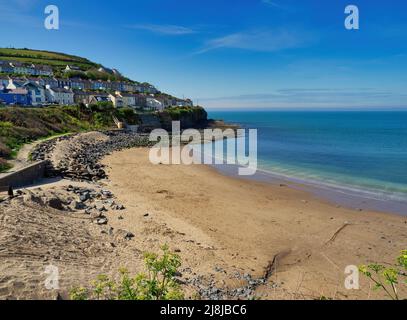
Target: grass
(58, 61)
(45, 57)
(19, 126)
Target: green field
(46, 57)
(58, 61)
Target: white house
(72, 68)
(62, 96)
(154, 104)
(14, 84)
(185, 103)
(117, 100)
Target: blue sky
(233, 54)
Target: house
(108, 85)
(117, 99)
(14, 97)
(98, 85)
(62, 83)
(52, 82)
(5, 67)
(129, 100)
(117, 86)
(77, 84)
(14, 84)
(184, 103)
(36, 92)
(87, 85)
(140, 101)
(147, 88)
(41, 70)
(99, 97)
(4, 80)
(154, 104)
(21, 68)
(82, 96)
(129, 87)
(69, 68)
(61, 96)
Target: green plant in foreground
(388, 279)
(157, 283)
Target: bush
(157, 284)
(387, 279)
(4, 166)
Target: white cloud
(271, 3)
(261, 40)
(173, 30)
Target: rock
(78, 205)
(146, 215)
(55, 203)
(106, 193)
(129, 236)
(125, 234)
(101, 221)
(119, 207)
(84, 197)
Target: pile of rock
(92, 203)
(208, 288)
(80, 159)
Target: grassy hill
(19, 126)
(46, 57)
(58, 62)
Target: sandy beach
(221, 225)
(238, 239)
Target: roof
(61, 90)
(87, 93)
(31, 84)
(42, 67)
(72, 67)
(15, 91)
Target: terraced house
(61, 96)
(40, 86)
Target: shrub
(388, 279)
(157, 283)
(4, 166)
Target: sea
(354, 158)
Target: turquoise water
(356, 151)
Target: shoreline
(352, 198)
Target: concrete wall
(25, 176)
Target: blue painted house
(15, 97)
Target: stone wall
(25, 176)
